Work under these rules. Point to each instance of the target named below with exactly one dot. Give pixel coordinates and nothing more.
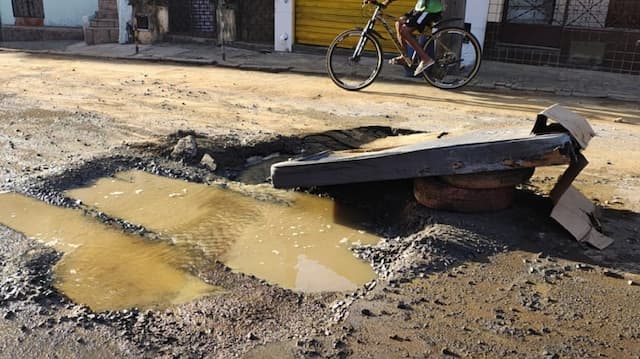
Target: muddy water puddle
(103, 267)
(295, 240)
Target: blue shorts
(420, 19)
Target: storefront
(318, 22)
(307, 22)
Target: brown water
(103, 267)
(291, 239)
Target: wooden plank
(470, 153)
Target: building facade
(67, 13)
(591, 34)
(307, 22)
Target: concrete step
(106, 14)
(108, 5)
(524, 54)
(100, 35)
(546, 49)
(46, 33)
(103, 23)
(191, 39)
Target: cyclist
(426, 12)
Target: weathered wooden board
(470, 153)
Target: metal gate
(541, 22)
(28, 8)
(318, 22)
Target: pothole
(295, 240)
(103, 267)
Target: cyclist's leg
(403, 45)
(406, 32)
(417, 21)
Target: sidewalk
(493, 75)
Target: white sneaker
(423, 66)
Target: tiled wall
(586, 43)
(202, 15)
(495, 10)
(621, 49)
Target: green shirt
(429, 6)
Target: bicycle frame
(369, 29)
(364, 54)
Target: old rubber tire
(488, 180)
(434, 193)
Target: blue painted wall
(6, 12)
(56, 12)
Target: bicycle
(456, 52)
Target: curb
(111, 57)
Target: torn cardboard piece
(577, 125)
(578, 215)
(575, 212)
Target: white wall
(67, 12)
(495, 10)
(124, 14)
(284, 25)
(56, 12)
(476, 14)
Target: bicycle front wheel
(457, 56)
(353, 60)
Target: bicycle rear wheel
(457, 56)
(352, 68)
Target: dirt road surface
(511, 283)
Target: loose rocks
(436, 247)
(185, 149)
